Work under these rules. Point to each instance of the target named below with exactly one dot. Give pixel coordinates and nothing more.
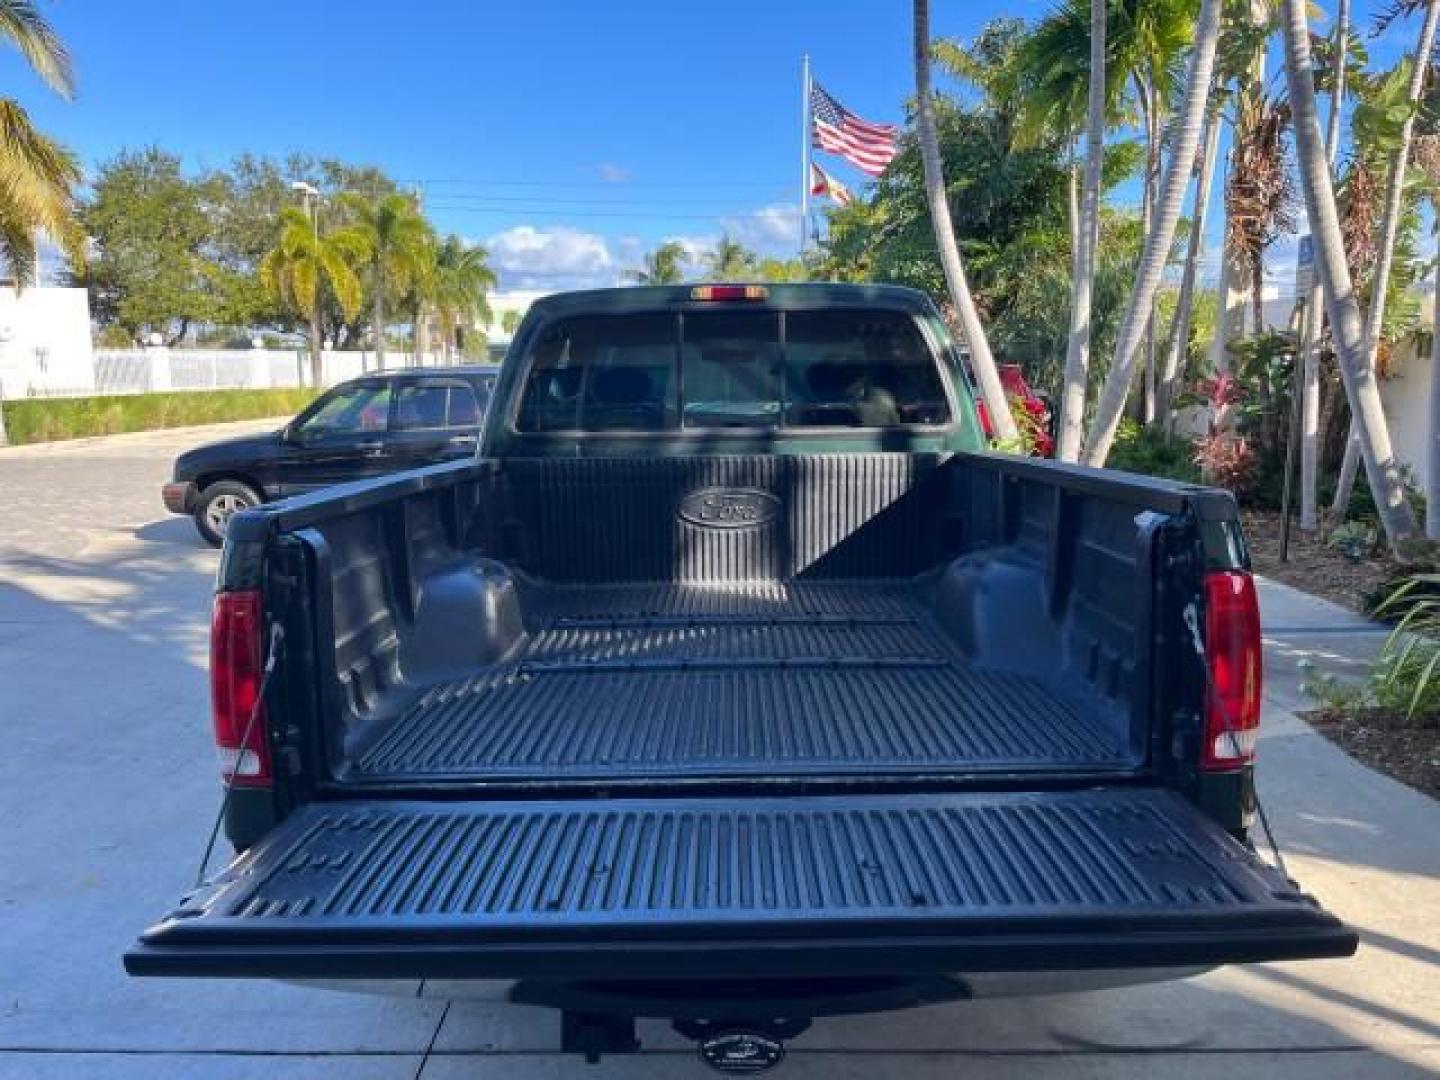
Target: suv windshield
(732, 369)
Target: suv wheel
(220, 502)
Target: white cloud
(771, 230)
(552, 257)
(612, 173)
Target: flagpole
(804, 152)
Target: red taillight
(983, 414)
(236, 662)
(1233, 653)
(729, 292)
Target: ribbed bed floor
(794, 679)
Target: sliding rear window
(754, 368)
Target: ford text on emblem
(742, 1052)
(729, 508)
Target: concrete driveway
(108, 785)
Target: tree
(151, 269)
(1177, 341)
(1087, 236)
(1314, 307)
(663, 265)
(398, 242)
(1349, 332)
(1259, 192)
(304, 264)
(1416, 68)
(463, 279)
(730, 260)
(781, 270)
(1161, 234)
(982, 363)
(510, 320)
(38, 176)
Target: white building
(45, 342)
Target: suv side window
(349, 410)
(435, 407)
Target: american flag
(869, 147)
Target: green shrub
(1137, 449)
(48, 419)
(1405, 679)
(1354, 539)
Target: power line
(491, 211)
(548, 200)
(610, 184)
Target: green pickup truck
(734, 682)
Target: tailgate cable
(272, 657)
(1192, 622)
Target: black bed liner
(734, 680)
(965, 882)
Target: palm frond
(38, 42)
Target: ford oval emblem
(729, 508)
(742, 1052)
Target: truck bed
(673, 680)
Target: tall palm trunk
(1389, 227)
(379, 307)
(1189, 121)
(317, 364)
(1351, 340)
(1178, 341)
(1077, 349)
(982, 363)
(1314, 311)
(1146, 413)
(1432, 454)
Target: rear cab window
(732, 368)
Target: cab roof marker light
(729, 292)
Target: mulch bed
(1313, 567)
(1406, 750)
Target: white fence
(143, 371)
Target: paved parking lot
(108, 785)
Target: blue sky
(568, 136)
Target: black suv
(376, 424)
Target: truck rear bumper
(904, 885)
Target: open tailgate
(1120, 877)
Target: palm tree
(1043, 54)
(510, 320)
(304, 262)
(982, 363)
(38, 176)
(462, 279)
(1177, 342)
(1314, 308)
(1138, 311)
(730, 261)
(663, 265)
(1427, 161)
(1390, 222)
(1351, 340)
(398, 243)
(1259, 192)
(1246, 27)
